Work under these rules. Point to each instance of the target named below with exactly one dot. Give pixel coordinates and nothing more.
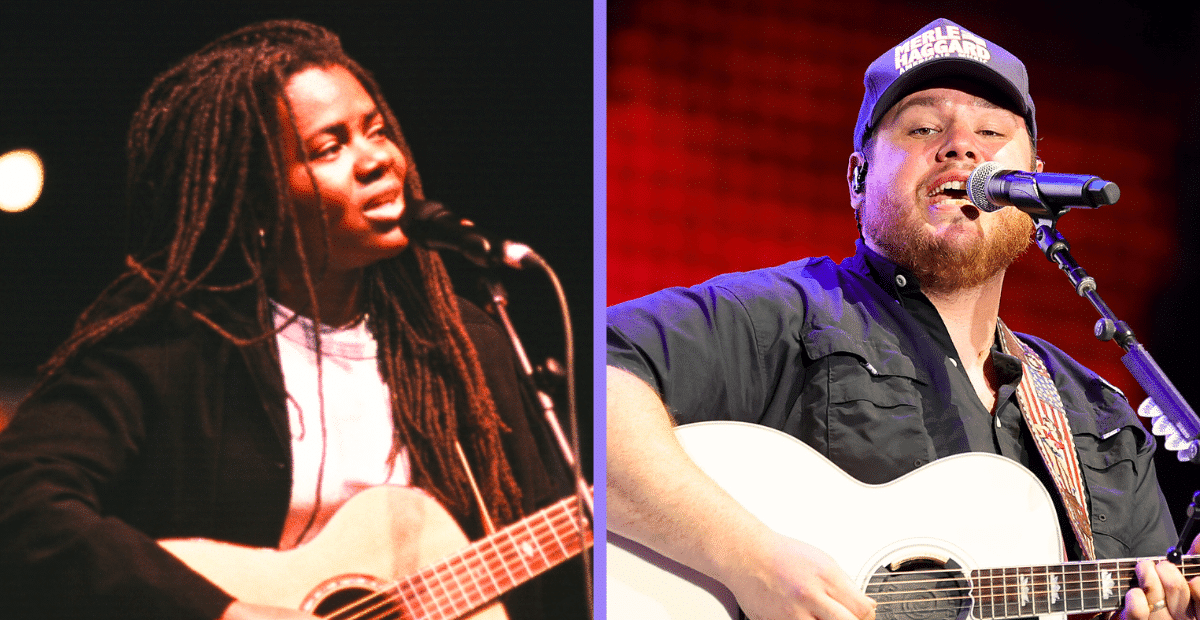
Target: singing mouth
(952, 195)
(954, 190)
(386, 209)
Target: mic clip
(438, 228)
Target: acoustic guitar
(393, 552)
(919, 545)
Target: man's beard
(941, 265)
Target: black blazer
(168, 430)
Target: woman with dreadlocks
(277, 347)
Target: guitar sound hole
(356, 602)
(920, 589)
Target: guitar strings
(410, 598)
(993, 606)
(460, 603)
(558, 523)
(555, 524)
(1124, 572)
(1005, 592)
(998, 590)
(554, 520)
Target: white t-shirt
(351, 442)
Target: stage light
(20, 180)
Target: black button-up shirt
(855, 361)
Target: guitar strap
(1047, 420)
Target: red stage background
(730, 123)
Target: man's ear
(856, 178)
(1038, 164)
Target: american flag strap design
(1047, 420)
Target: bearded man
(885, 362)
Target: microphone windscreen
(977, 185)
(428, 210)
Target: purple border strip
(599, 297)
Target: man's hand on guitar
(785, 579)
(1163, 593)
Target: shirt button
(953, 362)
(901, 281)
(918, 462)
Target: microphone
(1040, 194)
(436, 227)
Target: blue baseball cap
(941, 49)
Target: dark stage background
(730, 125)
(494, 98)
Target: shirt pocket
(871, 405)
(1109, 462)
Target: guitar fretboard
(1076, 587)
(490, 567)
(1016, 592)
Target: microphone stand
(582, 490)
(1174, 417)
(500, 302)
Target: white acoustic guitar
(917, 545)
(393, 552)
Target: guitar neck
(1077, 587)
(484, 570)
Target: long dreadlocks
(207, 182)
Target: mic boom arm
(1045, 196)
(1184, 436)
